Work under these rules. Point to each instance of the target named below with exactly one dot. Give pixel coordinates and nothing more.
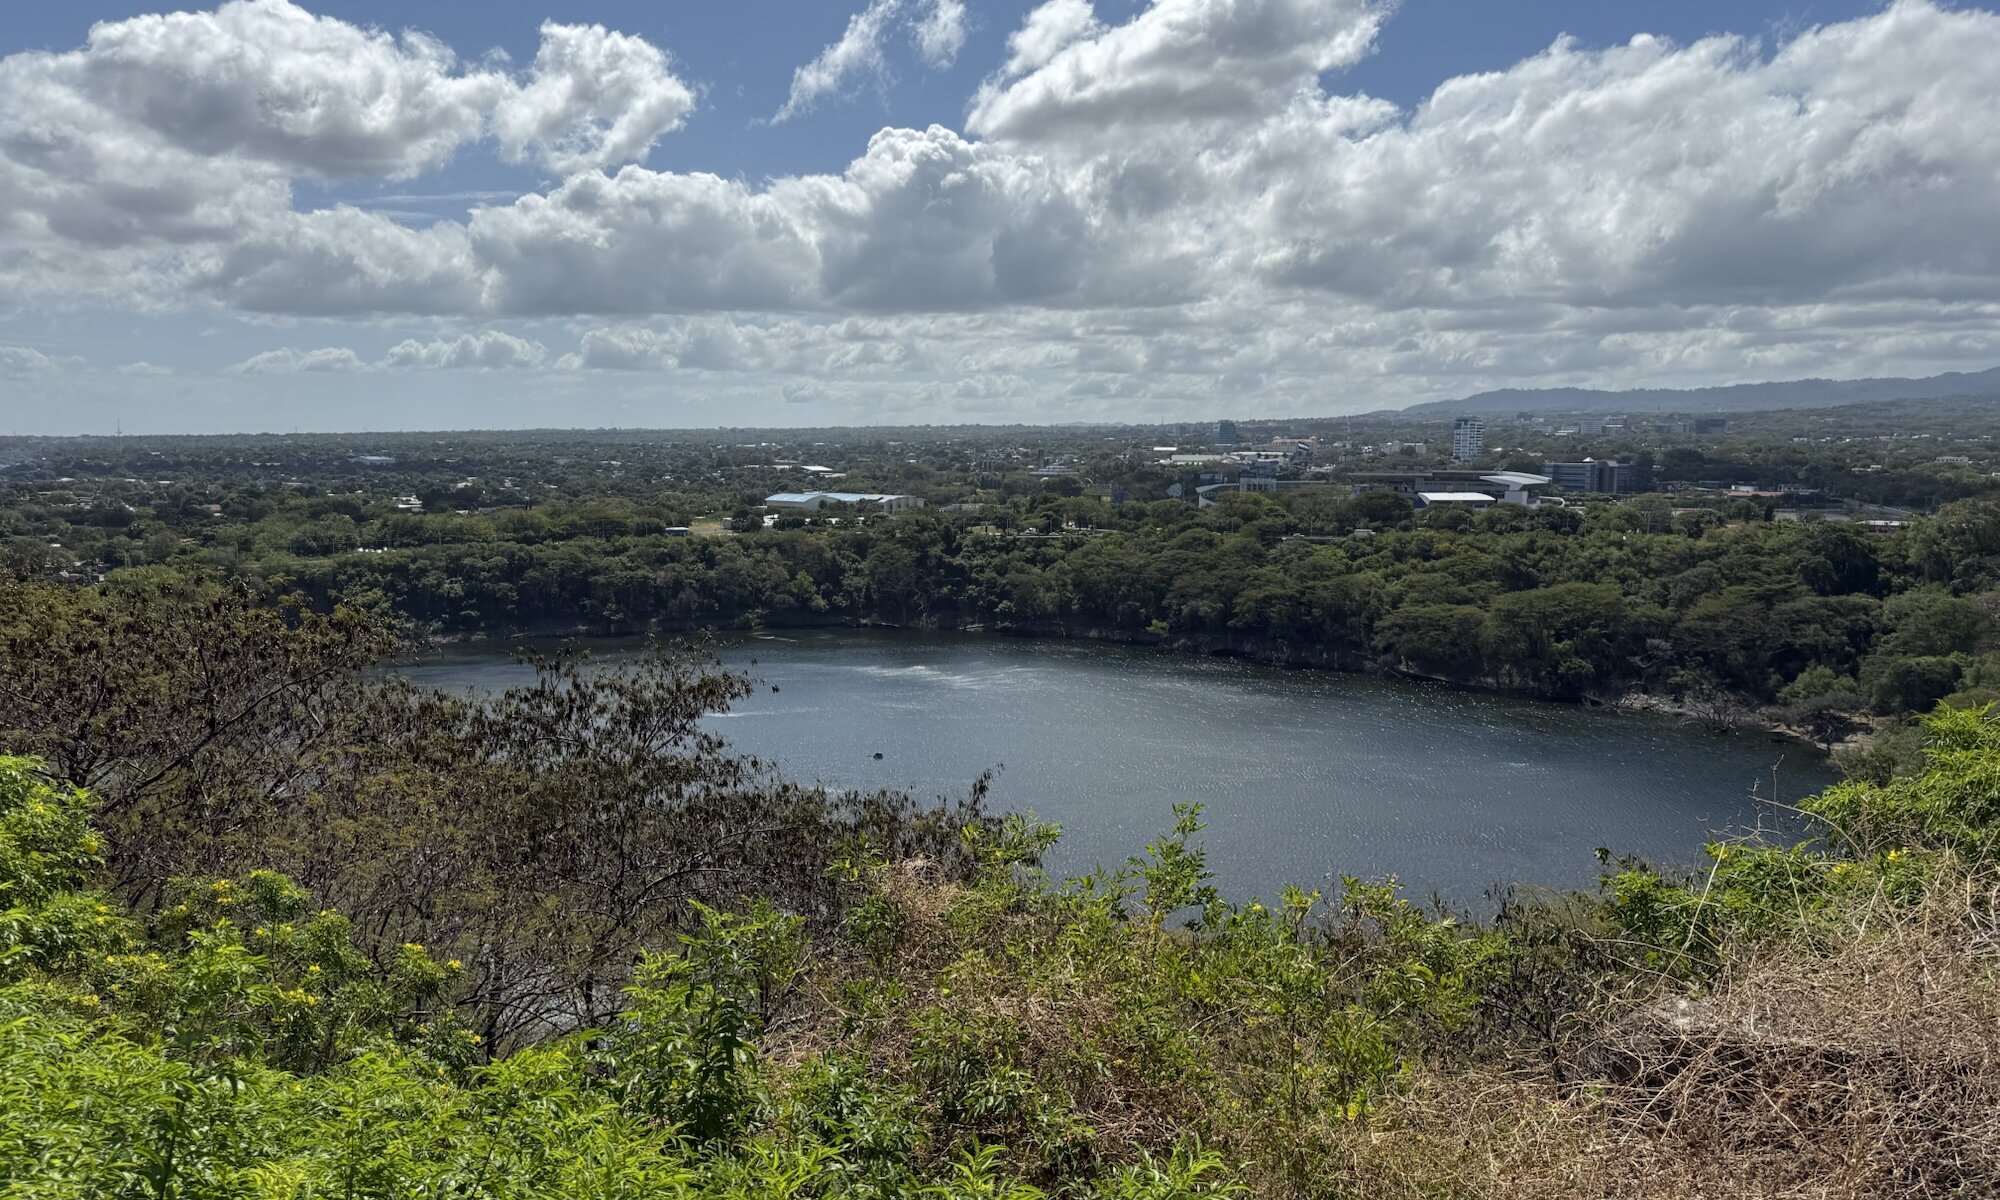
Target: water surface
(1304, 775)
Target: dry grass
(1870, 1069)
(1863, 1061)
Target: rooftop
(837, 497)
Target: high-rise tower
(1468, 438)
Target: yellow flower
(313, 969)
(455, 965)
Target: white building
(1517, 485)
(812, 501)
(1468, 438)
(1474, 500)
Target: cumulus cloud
(643, 241)
(1045, 32)
(593, 98)
(340, 262)
(270, 82)
(289, 361)
(1649, 174)
(172, 141)
(488, 349)
(1177, 62)
(1171, 209)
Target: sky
(353, 214)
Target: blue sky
(1173, 209)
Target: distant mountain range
(1741, 397)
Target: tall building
(1591, 475)
(1225, 435)
(1468, 438)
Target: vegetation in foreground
(912, 1009)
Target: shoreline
(1725, 715)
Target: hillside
(1741, 397)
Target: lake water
(1305, 776)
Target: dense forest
(1751, 587)
(1711, 605)
(271, 925)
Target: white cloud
(642, 241)
(633, 348)
(269, 82)
(25, 360)
(341, 261)
(1839, 168)
(737, 346)
(1046, 31)
(488, 349)
(860, 56)
(289, 361)
(1159, 214)
(1177, 62)
(939, 33)
(857, 55)
(593, 98)
(169, 144)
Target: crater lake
(1304, 776)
